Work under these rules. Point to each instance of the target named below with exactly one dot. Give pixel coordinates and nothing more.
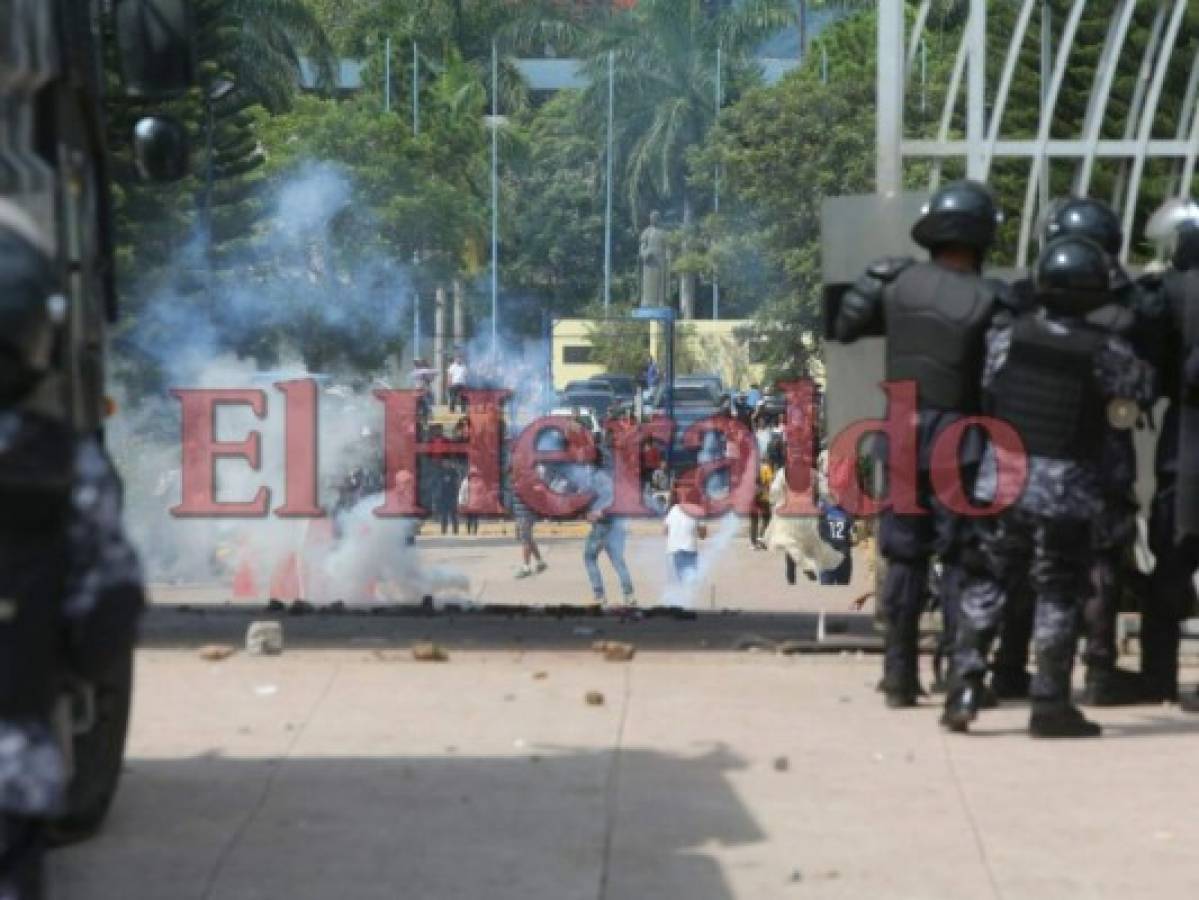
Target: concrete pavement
(362, 774)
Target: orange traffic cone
(285, 584)
(244, 586)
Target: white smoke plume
(290, 302)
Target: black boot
(1112, 686)
(1010, 684)
(1060, 721)
(1189, 702)
(962, 705)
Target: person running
(683, 534)
(531, 561)
(607, 535)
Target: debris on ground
(216, 652)
(583, 631)
(426, 651)
(792, 647)
(594, 698)
(615, 651)
(300, 608)
(266, 690)
(275, 606)
(782, 764)
(264, 639)
(540, 676)
(753, 643)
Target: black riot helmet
(1175, 229)
(963, 212)
(1085, 217)
(30, 316)
(1073, 276)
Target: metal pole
(387, 75)
(608, 184)
(495, 197)
(716, 198)
(415, 326)
(976, 88)
(889, 98)
(670, 389)
(1046, 53)
(415, 90)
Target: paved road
(360, 774)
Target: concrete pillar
(440, 339)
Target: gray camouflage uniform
(1042, 541)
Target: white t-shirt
(682, 531)
(457, 373)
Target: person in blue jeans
(607, 535)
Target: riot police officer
(1061, 378)
(1173, 306)
(1114, 530)
(935, 315)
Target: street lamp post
(217, 91)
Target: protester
(797, 536)
(607, 535)
(759, 517)
(531, 561)
(836, 530)
(448, 483)
(683, 534)
(472, 479)
(456, 376)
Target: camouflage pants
(1171, 595)
(908, 542)
(1023, 552)
(1113, 534)
(21, 851)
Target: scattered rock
(782, 764)
(300, 608)
(615, 651)
(275, 606)
(264, 639)
(752, 643)
(338, 607)
(594, 698)
(426, 651)
(540, 676)
(796, 876)
(508, 698)
(217, 652)
(266, 690)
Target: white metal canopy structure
(983, 141)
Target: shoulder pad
(1113, 317)
(889, 268)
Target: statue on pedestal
(655, 264)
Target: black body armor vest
(1048, 391)
(936, 329)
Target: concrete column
(439, 344)
(890, 94)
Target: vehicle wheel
(99, 756)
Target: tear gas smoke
(296, 309)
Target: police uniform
(1114, 528)
(1173, 308)
(70, 584)
(1051, 375)
(935, 318)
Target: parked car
(599, 402)
(623, 386)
